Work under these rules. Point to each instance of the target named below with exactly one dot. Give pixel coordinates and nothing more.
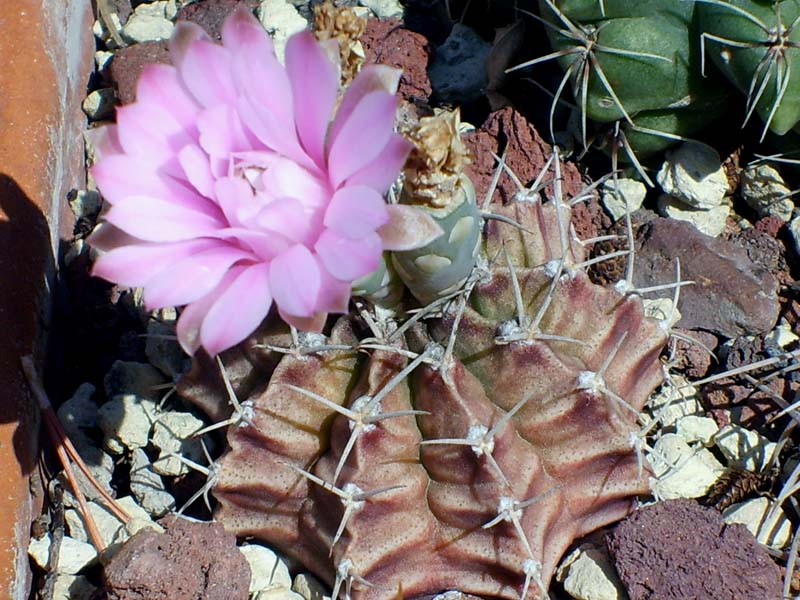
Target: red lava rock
(692, 359)
(732, 295)
(122, 8)
(678, 550)
(210, 14)
(128, 63)
(765, 249)
(770, 225)
(526, 155)
(387, 42)
(189, 561)
(589, 219)
(750, 406)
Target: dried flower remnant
(232, 185)
(437, 160)
(345, 26)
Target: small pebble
(587, 574)
(744, 449)
(674, 400)
(765, 192)
(112, 531)
(148, 23)
(281, 20)
(73, 556)
(630, 190)
(782, 336)
(309, 587)
(267, 570)
(694, 428)
(777, 532)
(73, 587)
(663, 310)
(384, 9)
(693, 174)
(101, 32)
(85, 203)
(710, 221)
(99, 104)
(682, 471)
(173, 435)
(126, 421)
(148, 487)
(102, 58)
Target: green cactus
(757, 46)
(464, 448)
(626, 59)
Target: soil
(745, 281)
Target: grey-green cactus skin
(438, 269)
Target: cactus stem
(345, 575)
(533, 573)
(501, 166)
(774, 59)
(594, 381)
(506, 220)
(353, 498)
(510, 510)
(242, 415)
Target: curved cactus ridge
(757, 46)
(462, 449)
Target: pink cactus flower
(231, 185)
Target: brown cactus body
(430, 464)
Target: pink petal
(238, 310)
(334, 295)
(191, 319)
(313, 323)
(272, 131)
(285, 216)
(192, 278)
(221, 131)
(362, 137)
(242, 29)
(106, 237)
(346, 259)
(197, 169)
(285, 178)
(206, 73)
(104, 140)
(264, 245)
(134, 265)
(150, 133)
(161, 85)
(235, 198)
(119, 176)
(183, 36)
(356, 211)
(157, 220)
(372, 78)
(384, 169)
(314, 83)
(294, 280)
(408, 228)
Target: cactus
(609, 48)
(756, 44)
(464, 448)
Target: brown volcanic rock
(387, 42)
(526, 155)
(189, 561)
(545, 455)
(129, 62)
(678, 550)
(211, 14)
(732, 295)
